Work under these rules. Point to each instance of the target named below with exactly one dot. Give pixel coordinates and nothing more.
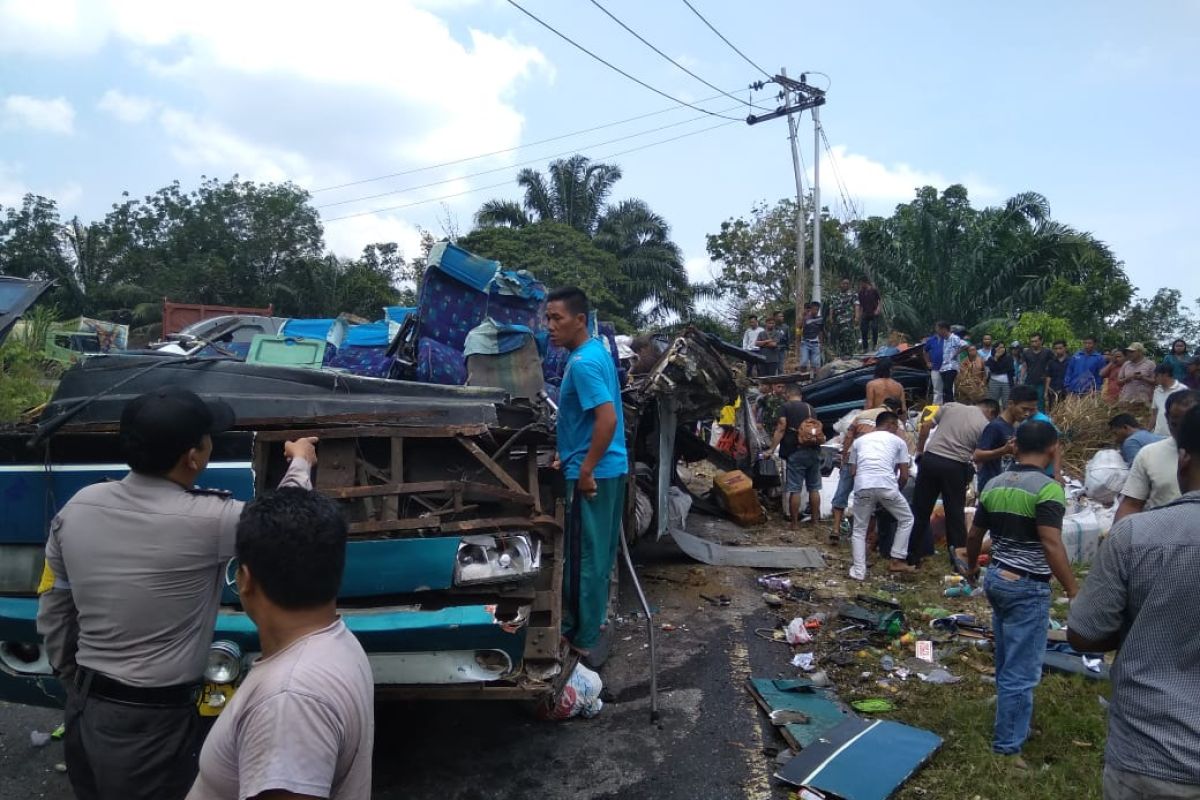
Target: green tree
(757, 255)
(558, 255)
(1156, 322)
(574, 192)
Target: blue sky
(1093, 104)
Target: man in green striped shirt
(1023, 510)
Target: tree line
(998, 268)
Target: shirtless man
(883, 387)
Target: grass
(1065, 752)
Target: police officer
(135, 570)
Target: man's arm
(974, 545)
(983, 454)
(1136, 490)
(780, 430)
(301, 456)
(1051, 507)
(903, 474)
(1129, 505)
(57, 617)
(926, 427)
(1056, 557)
(1097, 615)
(602, 435)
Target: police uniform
(136, 572)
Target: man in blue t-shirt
(591, 452)
(996, 449)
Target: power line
(723, 39)
(508, 167)
(843, 189)
(508, 183)
(547, 140)
(641, 39)
(611, 66)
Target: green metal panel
(286, 351)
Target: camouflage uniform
(845, 338)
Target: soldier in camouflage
(841, 319)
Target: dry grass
(1083, 422)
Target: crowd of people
(992, 428)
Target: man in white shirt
(1165, 385)
(302, 724)
(1153, 480)
(879, 461)
(750, 337)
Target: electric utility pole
(816, 292)
(805, 97)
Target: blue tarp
(465, 267)
(398, 314)
(307, 328)
(372, 334)
(519, 283)
(492, 338)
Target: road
(709, 743)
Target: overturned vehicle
(436, 429)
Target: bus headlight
(224, 662)
(494, 559)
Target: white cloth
(875, 457)
(303, 721)
(1159, 402)
(1154, 476)
(1000, 377)
(750, 338)
(866, 501)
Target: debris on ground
(580, 697)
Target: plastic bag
(796, 633)
(579, 698)
(1105, 476)
(679, 503)
(1081, 536)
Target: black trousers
(949, 479)
(948, 378)
(869, 324)
(120, 751)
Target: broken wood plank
(336, 463)
(491, 466)
(391, 505)
(486, 524)
(383, 525)
(429, 487)
(374, 431)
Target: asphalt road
(708, 744)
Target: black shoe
(600, 651)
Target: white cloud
(348, 237)
(699, 269)
(126, 107)
(206, 144)
(870, 180)
(13, 189)
(52, 116)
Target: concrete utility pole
(816, 115)
(800, 287)
(805, 97)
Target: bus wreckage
(437, 444)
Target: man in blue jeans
(1023, 510)
(591, 453)
(803, 460)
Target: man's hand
(305, 448)
(586, 484)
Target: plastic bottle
(962, 590)
(952, 580)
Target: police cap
(161, 425)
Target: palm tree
(575, 191)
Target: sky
(1089, 102)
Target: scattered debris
(861, 759)
(805, 661)
(821, 706)
(720, 555)
(772, 600)
(797, 632)
(39, 739)
(873, 705)
(579, 697)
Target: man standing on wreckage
(591, 453)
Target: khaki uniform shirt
(138, 568)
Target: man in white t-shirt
(1153, 479)
(1165, 385)
(302, 724)
(880, 463)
